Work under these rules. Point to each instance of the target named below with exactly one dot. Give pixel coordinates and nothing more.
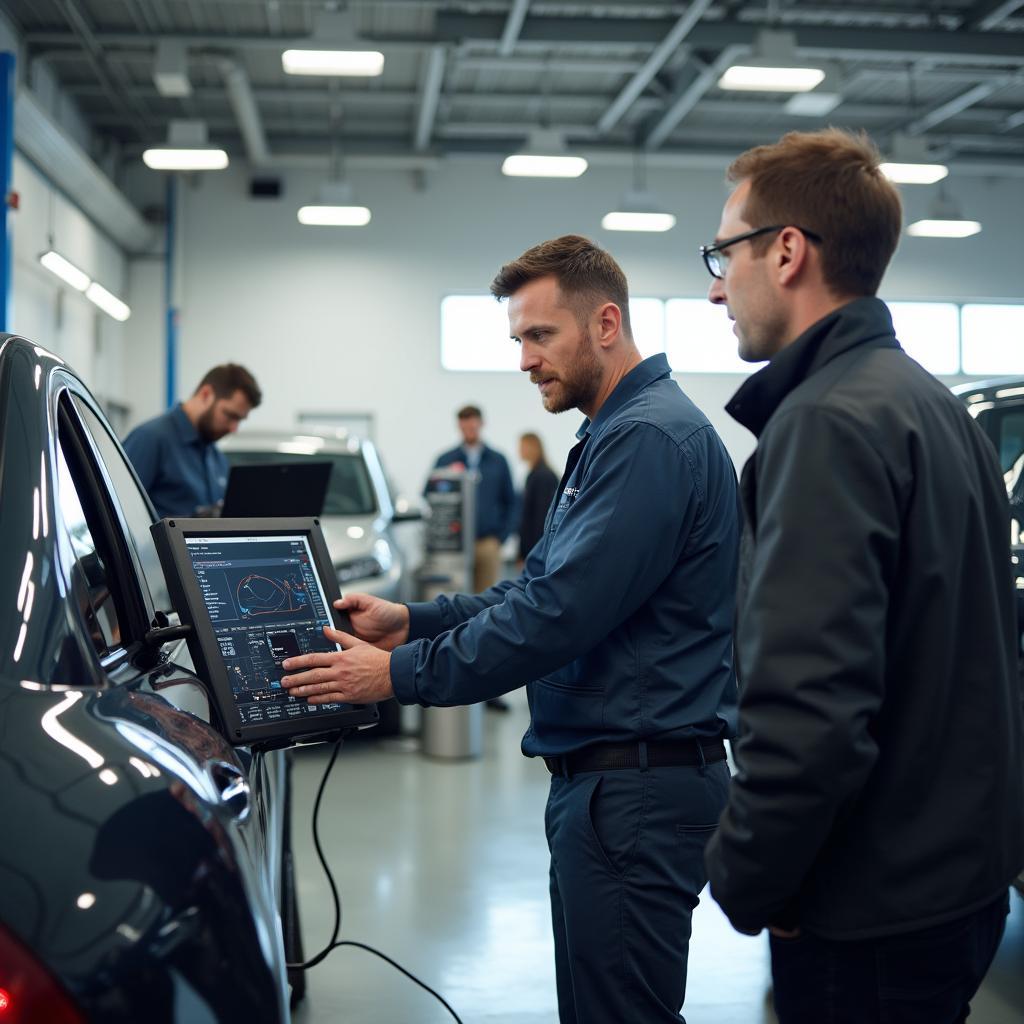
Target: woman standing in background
(541, 484)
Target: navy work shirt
(179, 470)
(622, 616)
(495, 493)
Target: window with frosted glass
(474, 334)
(647, 318)
(699, 339)
(929, 333)
(992, 339)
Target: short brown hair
(828, 182)
(586, 276)
(228, 378)
(469, 412)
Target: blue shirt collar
(641, 376)
(187, 433)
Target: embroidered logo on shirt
(571, 492)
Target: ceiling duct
(66, 164)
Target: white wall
(348, 319)
(47, 311)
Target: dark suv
(145, 867)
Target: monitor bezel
(170, 536)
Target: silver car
(360, 522)
(358, 513)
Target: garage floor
(444, 868)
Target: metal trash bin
(453, 734)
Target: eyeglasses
(713, 255)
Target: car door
(156, 699)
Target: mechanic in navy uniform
(622, 617)
(175, 454)
(495, 494)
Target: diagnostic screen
(265, 603)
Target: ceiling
(615, 76)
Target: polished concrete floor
(443, 867)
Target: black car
(998, 407)
(145, 866)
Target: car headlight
(367, 566)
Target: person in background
(541, 485)
(175, 454)
(495, 494)
(495, 503)
(877, 818)
(622, 620)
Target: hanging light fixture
(944, 220)
(187, 149)
(772, 66)
(639, 209)
(911, 163)
(544, 155)
(338, 51)
(333, 206)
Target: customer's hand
(384, 624)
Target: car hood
(350, 537)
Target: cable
(322, 955)
(398, 967)
(334, 943)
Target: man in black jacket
(878, 815)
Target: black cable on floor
(398, 967)
(333, 944)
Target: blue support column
(7, 87)
(171, 347)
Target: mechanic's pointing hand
(359, 674)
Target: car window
(349, 492)
(1010, 433)
(90, 582)
(133, 505)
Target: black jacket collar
(857, 323)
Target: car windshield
(349, 492)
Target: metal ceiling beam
(958, 104)
(1013, 121)
(692, 91)
(895, 44)
(662, 52)
(989, 13)
(432, 82)
(856, 43)
(513, 26)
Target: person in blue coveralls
(175, 454)
(622, 617)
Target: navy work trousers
(922, 977)
(627, 865)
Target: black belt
(603, 757)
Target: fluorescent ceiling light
(913, 174)
(354, 63)
(629, 220)
(65, 270)
(535, 165)
(187, 149)
(813, 104)
(163, 158)
(944, 220)
(944, 228)
(750, 78)
(544, 156)
(334, 216)
(108, 302)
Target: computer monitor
(256, 591)
(277, 489)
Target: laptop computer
(277, 489)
